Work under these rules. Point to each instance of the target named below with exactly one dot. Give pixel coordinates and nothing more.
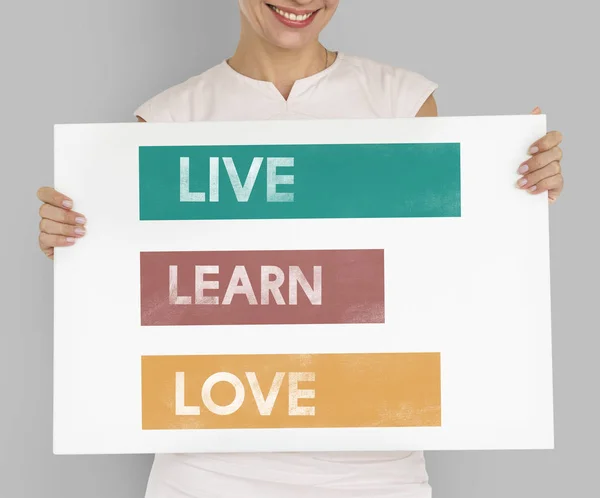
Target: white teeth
(291, 16)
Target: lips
(293, 18)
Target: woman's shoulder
(174, 103)
(406, 88)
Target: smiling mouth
(293, 18)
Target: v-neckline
(299, 86)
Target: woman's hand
(543, 172)
(59, 225)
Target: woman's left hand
(542, 172)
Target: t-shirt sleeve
(158, 108)
(413, 89)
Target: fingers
(541, 160)
(535, 180)
(49, 241)
(61, 215)
(550, 140)
(59, 225)
(54, 228)
(543, 171)
(553, 185)
(50, 196)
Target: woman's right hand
(59, 225)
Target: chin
(291, 41)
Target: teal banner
(299, 181)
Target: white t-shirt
(351, 87)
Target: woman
(281, 71)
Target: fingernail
(79, 231)
(532, 189)
(522, 182)
(80, 220)
(70, 240)
(534, 150)
(524, 168)
(67, 204)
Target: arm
(428, 109)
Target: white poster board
(302, 286)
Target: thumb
(537, 110)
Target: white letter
(239, 284)
(296, 394)
(173, 297)
(268, 285)
(184, 183)
(265, 407)
(242, 192)
(297, 277)
(213, 195)
(180, 408)
(201, 284)
(231, 407)
(273, 179)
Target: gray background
(95, 61)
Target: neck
(259, 60)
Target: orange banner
(291, 391)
